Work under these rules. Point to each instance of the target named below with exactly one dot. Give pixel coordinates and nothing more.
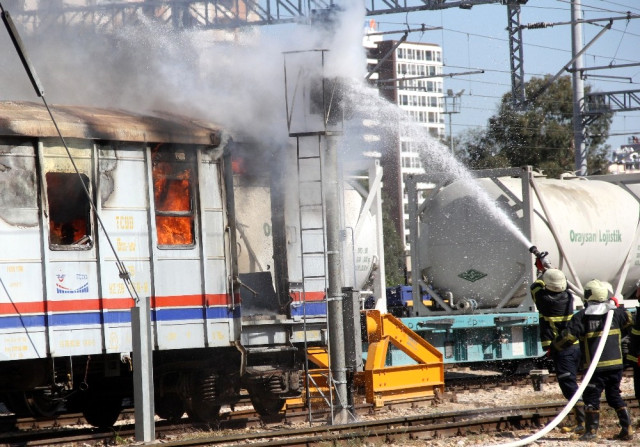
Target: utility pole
(578, 90)
(516, 53)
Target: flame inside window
(172, 193)
(69, 209)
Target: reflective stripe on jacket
(634, 342)
(587, 326)
(555, 309)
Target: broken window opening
(69, 211)
(173, 173)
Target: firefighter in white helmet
(555, 306)
(633, 356)
(586, 326)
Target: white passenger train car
(150, 198)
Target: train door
(72, 294)
(188, 249)
(222, 308)
(124, 210)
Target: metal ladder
(312, 217)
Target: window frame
(182, 157)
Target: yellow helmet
(596, 290)
(554, 280)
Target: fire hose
(541, 258)
(578, 394)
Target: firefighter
(633, 356)
(555, 306)
(586, 326)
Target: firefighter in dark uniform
(633, 356)
(587, 326)
(555, 306)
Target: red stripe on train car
(117, 303)
(211, 299)
(310, 296)
(218, 299)
(21, 308)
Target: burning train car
(155, 195)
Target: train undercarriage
(99, 387)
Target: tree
(394, 256)
(540, 136)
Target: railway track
(69, 429)
(509, 421)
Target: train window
(69, 211)
(173, 174)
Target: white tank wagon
(470, 259)
(162, 188)
(255, 228)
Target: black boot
(580, 416)
(578, 411)
(592, 422)
(626, 433)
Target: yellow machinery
(384, 384)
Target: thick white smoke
(231, 78)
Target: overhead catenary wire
(600, 9)
(532, 45)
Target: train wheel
(264, 402)
(102, 413)
(16, 402)
(203, 405)
(33, 403)
(202, 411)
(170, 407)
(41, 403)
(101, 405)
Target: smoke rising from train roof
(234, 79)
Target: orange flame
(172, 194)
(174, 230)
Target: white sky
(478, 39)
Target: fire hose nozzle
(542, 262)
(538, 254)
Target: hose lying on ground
(578, 394)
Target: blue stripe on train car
(195, 313)
(23, 321)
(75, 319)
(111, 317)
(312, 309)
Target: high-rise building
(409, 75)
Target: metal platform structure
(213, 14)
